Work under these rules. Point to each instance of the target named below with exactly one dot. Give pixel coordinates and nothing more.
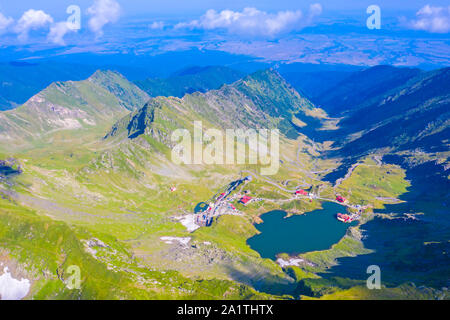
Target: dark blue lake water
(315, 230)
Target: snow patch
(89, 122)
(13, 289)
(171, 240)
(67, 123)
(291, 262)
(189, 222)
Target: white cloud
(32, 20)
(432, 19)
(315, 10)
(103, 12)
(5, 23)
(252, 21)
(58, 31)
(157, 25)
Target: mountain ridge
(104, 97)
(262, 99)
(363, 85)
(401, 119)
(190, 80)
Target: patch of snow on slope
(291, 262)
(170, 240)
(189, 222)
(13, 289)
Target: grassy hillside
(361, 86)
(19, 81)
(42, 249)
(413, 116)
(263, 99)
(84, 106)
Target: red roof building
(343, 217)
(302, 192)
(245, 199)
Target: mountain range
(94, 186)
(190, 80)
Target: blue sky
(413, 32)
(183, 7)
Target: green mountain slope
(361, 86)
(51, 247)
(19, 81)
(263, 99)
(416, 115)
(73, 105)
(315, 79)
(190, 80)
